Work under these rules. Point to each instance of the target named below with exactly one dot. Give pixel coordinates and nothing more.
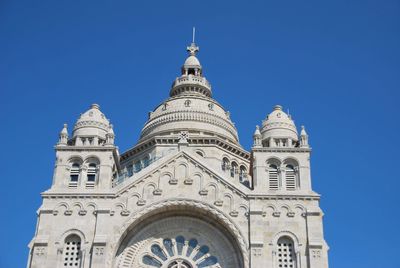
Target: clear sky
(334, 64)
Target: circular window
(181, 254)
(179, 264)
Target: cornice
(146, 144)
(281, 149)
(85, 148)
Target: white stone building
(186, 195)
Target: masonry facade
(187, 195)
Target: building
(186, 195)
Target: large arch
(162, 214)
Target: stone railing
(191, 79)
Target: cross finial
(192, 49)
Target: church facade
(187, 195)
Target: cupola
(279, 130)
(91, 128)
(191, 82)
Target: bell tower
(87, 160)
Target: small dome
(92, 123)
(279, 124)
(192, 61)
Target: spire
(303, 137)
(63, 137)
(193, 48)
(257, 137)
(110, 135)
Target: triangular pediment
(174, 160)
(183, 175)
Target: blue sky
(334, 64)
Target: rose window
(180, 253)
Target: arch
(231, 201)
(215, 187)
(234, 168)
(225, 164)
(164, 179)
(273, 160)
(245, 209)
(59, 206)
(120, 208)
(61, 238)
(79, 205)
(285, 207)
(75, 158)
(268, 208)
(290, 234)
(181, 170)
(200, 180)
(200, 152)
(227, 157)
(202, 210)
(291, 161)
(242, 173)
(145, 191)
(300, 207)
(92, 159)
(91, 206)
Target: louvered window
(74, 175)
(286, 256)
(72, 251)
(273, 177)
(291, 184)
(91, 175)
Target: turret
(280, 161)
(303, 138)
(63, 137)
(257, 137)
(93, 164)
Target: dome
(192, 61)
(92, 123)
(190, 108)
(279, 124)
(196, 114)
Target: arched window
(138, 166)
(92, 172)
(72, 255)
(146, 161)
(225, 164)
(129, 170)
(274, 183)
(286, 255)
(234, 169)
(74, 174)
(242, 174)
(291, 180)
